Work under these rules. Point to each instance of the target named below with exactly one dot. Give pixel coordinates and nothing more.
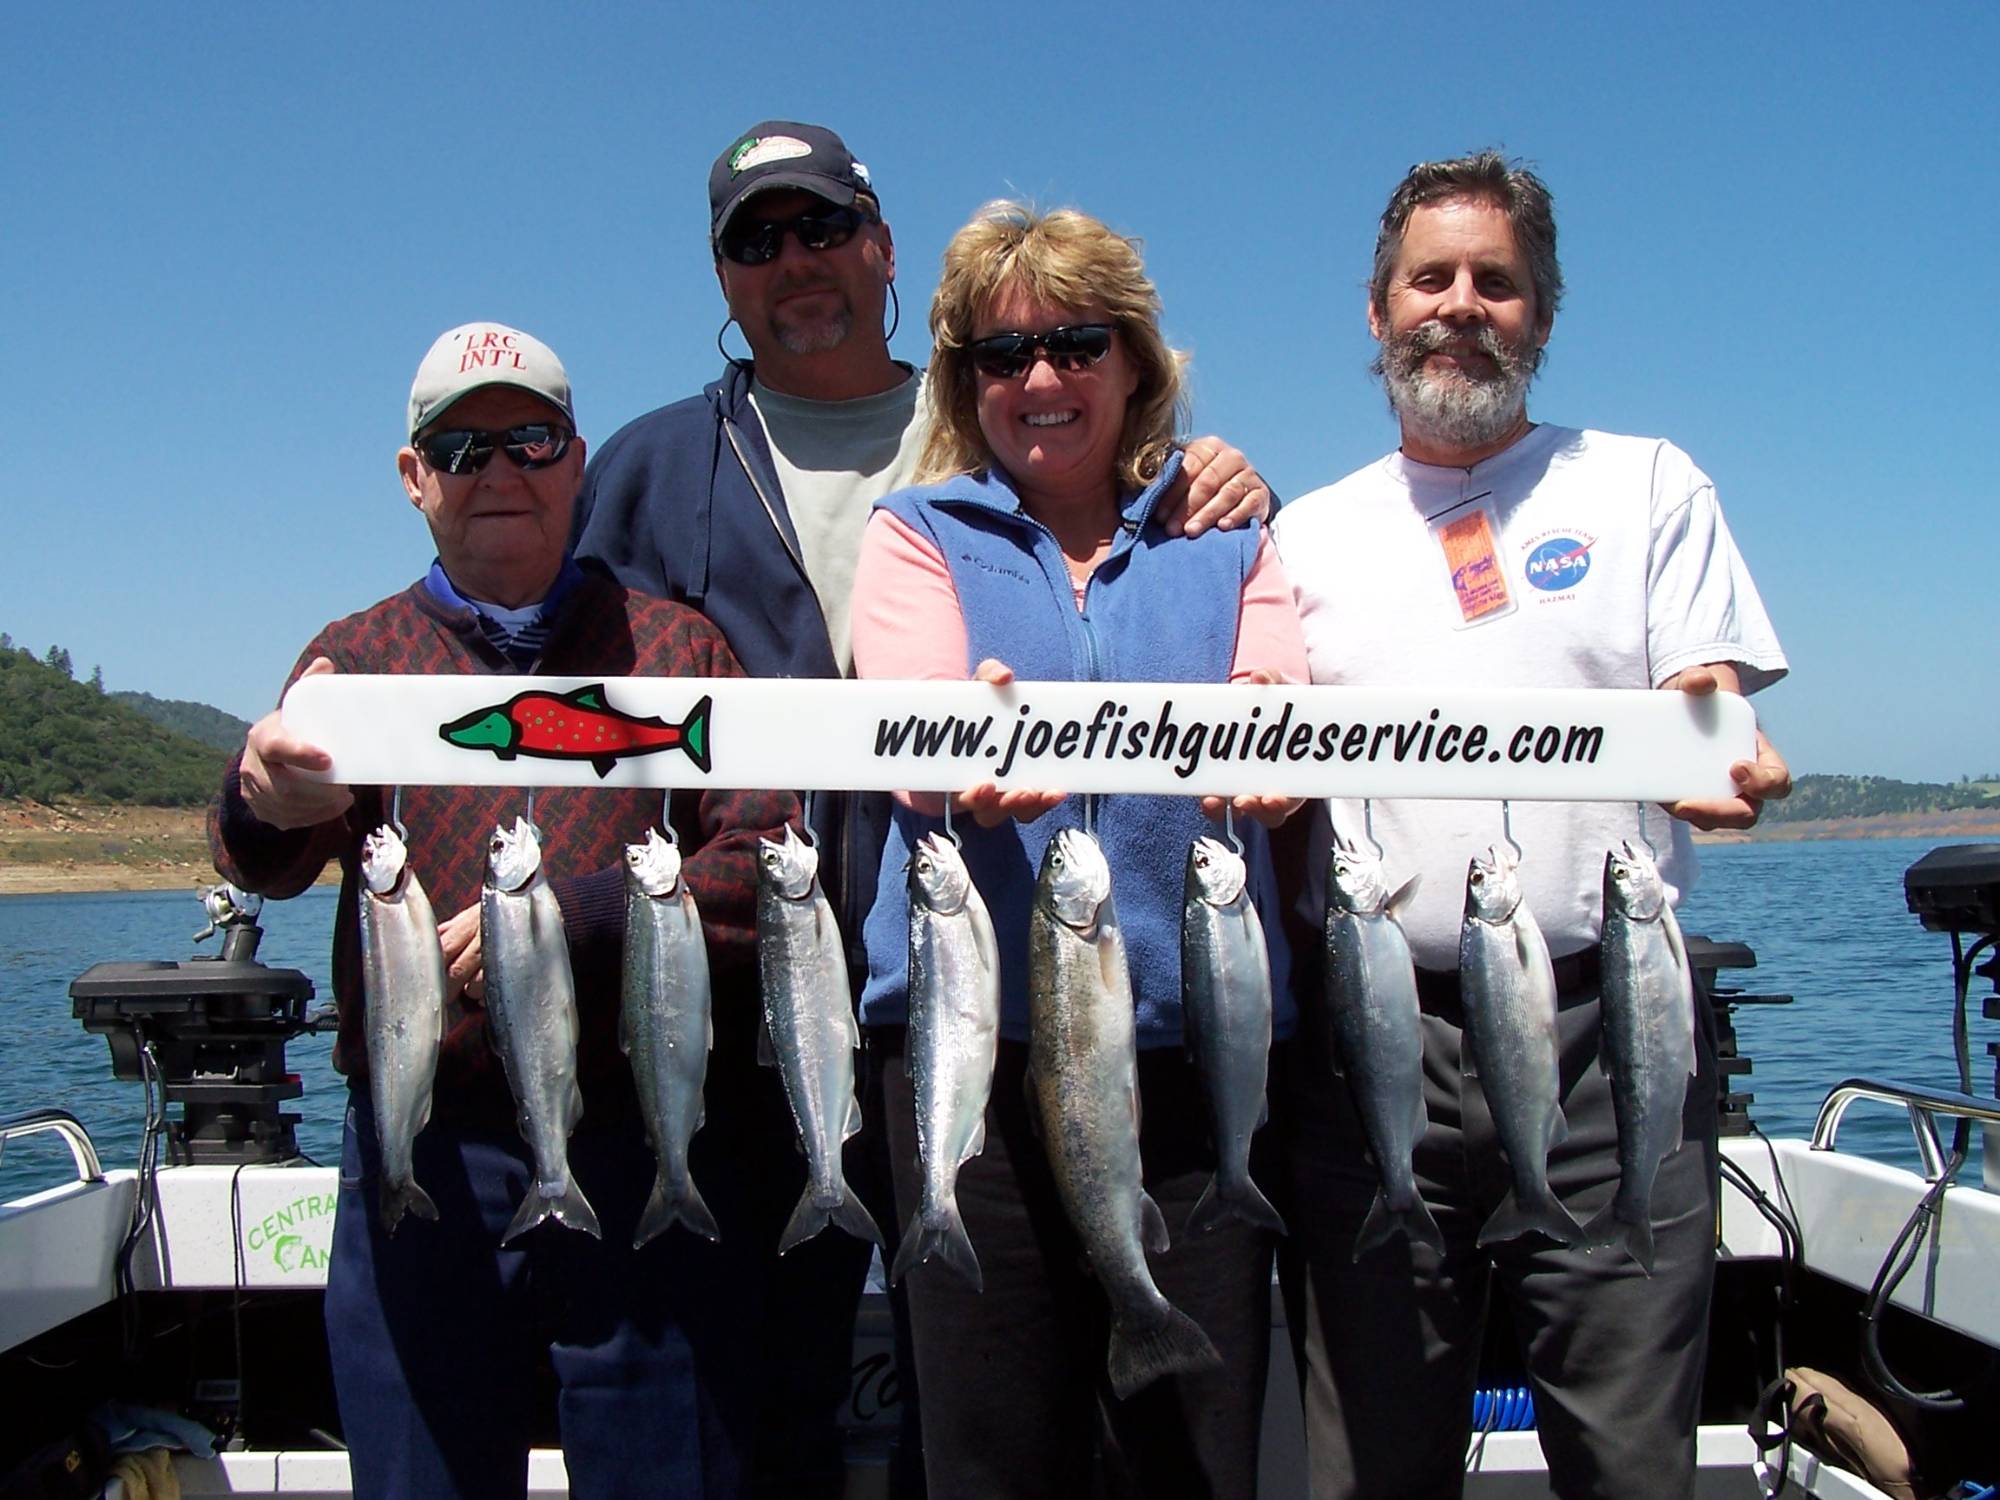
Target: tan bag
(1829, 1419)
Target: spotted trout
(1646, 1006)
(531, 1006)
(1083, 1080)
(1508, 987)
(665, 1029)
(403, 980)
(810, 1034)
(1226, 1013)
(1371, 997)
(953, 1039)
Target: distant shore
(72, 850)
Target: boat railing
(64, 1124)
(1924, 1107)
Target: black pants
(1016, 1400)
(1391, 1344)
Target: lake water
(1872, 996)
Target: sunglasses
(1008, 356)
(464, 450)
(756, 242)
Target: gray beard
(1456, 410)
(820, 336)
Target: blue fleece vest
(1158, 609)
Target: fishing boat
(188, 1284)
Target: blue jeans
(438, 1336)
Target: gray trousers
(1391, 1344)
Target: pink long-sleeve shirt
(908, 624)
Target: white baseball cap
(475, 355)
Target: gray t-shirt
(835, 459)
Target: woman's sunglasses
(1008, 356)
(755, 242)
(465, 450)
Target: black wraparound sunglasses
(756, 242)
(466, 450)
(1008, 356)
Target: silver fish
(1226, 1012)
(954, 1037)
(1083, 1080)
(531, 1005)
(1647, 1010)
(810, 1033)
(403, 978)
(664, 1027)
(1371, 995)
(1508, 987)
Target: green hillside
(197, 721)
(60, 738)
(1816, 797)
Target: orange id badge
(1469, 541)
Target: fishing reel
(208, 1034)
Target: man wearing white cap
(438, 1334)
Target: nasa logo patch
(1559, 563)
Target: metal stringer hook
(1644, 837)
(666, 821)
(529, 816)
(1229, 827)
(1368, 828)
(949, 831)
(396, 813)
(806, 818)
(1090, 814)
(1507, 828)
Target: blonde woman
(1034, 547)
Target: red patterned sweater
(599, 628)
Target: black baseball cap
(783, 154)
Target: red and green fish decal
(578, 725)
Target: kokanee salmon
(577, 726)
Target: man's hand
(272, 787)
(989, 806)
(464, 968)
(1219, 488)
(1270, 811)
(1766, 779)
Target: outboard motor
(1956, 889)
(210, 1034)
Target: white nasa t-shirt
(1619, 572)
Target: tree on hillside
(59, 659)
(97, 678)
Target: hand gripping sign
(1623, 745)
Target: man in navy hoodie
(748, 501)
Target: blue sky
(232, 230)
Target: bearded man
(1490, 550)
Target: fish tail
(405, 1196)
(814, 1213)
(694, 732)
(1240, 1200)
(1384, 1221)
(1607, 1231)
(1512, 1219)
(567, 1206)
(675, 1203)
(1176, 1347)
(940, 1233)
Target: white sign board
(1193, 739)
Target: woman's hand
(989, 806)
(1270, 811)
